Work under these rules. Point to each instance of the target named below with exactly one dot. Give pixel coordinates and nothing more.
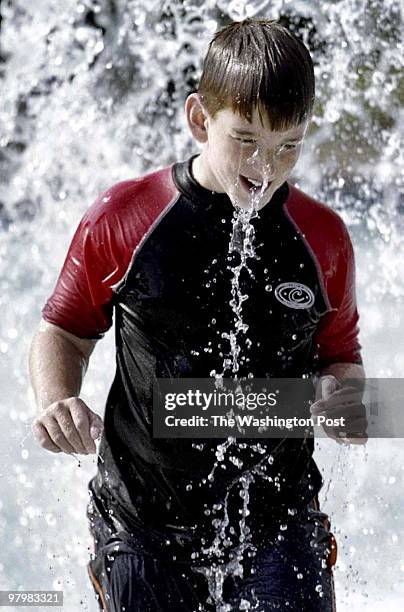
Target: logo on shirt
(294, 295)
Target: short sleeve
(337, 334)
(81, 302)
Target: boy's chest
(190, 272)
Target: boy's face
(248, 161)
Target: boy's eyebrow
(241, 132)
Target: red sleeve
(98, 256)
(326, 236)
(337, 335)
(101, 251)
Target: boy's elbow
(84, 346)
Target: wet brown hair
(258, 63)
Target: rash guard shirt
(153, 253)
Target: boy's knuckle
(40, 437)
(52, 412)
(58, 437)
(59, 409)
(47, 444)
(71, 436)
(80, 423)
(76, 403)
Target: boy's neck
(201, 174)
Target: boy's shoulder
(148, 192)
(313, 216)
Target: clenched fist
(68, 426)
(334, 401)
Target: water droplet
(50, 519)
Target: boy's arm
(58, 361)
(78, 312)
(339, 350)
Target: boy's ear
(196, 118)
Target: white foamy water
(90, 97)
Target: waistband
(177, 542)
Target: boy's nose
(264, 162)
(268, 161)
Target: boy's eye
(288, 147)
(250, 141)
(247, 141)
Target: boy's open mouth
(252, 185)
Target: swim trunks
(291, 570)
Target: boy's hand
(335, 401)
(68, 426)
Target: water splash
(216, 572)
(223, 544)
(242, 243)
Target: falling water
(216, 573)
(242, 243)
(92, 94)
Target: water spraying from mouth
(241, 242)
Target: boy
(155, 251)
